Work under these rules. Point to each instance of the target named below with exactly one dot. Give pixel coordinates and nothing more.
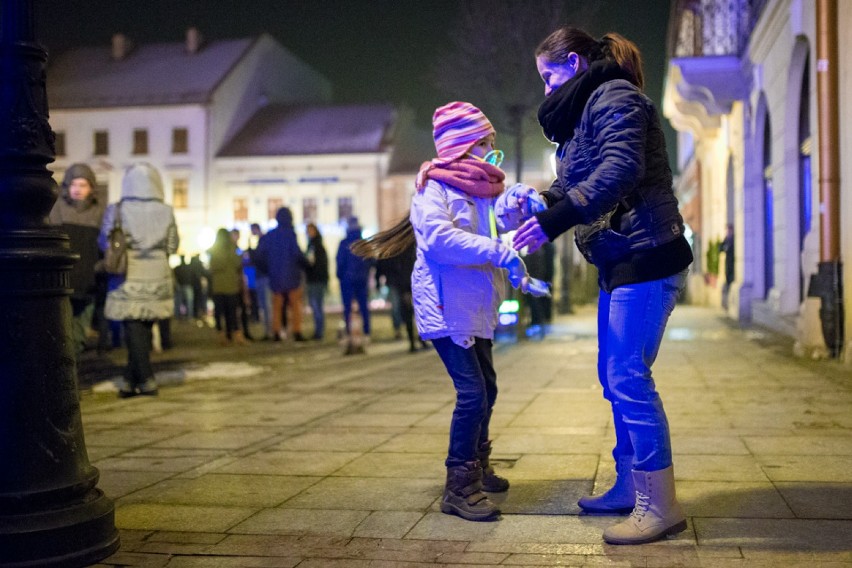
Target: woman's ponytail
(626, 54)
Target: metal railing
(700, 28)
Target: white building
(742, 92)
(236, 127)
(326, 163)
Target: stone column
(51, 512)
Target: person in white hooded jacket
(147, 293)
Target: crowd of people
(447, 267)
(262, 286)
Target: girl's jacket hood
(142, 181)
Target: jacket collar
(560, 113)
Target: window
(309, 209)
(180, 141)
(240, 209)
(180, 193)
(59, 143)
(101, 142)
(140, 141)
(344, 208)
(273, 204)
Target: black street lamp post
(51, 512)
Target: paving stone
(225, 419)
(336, 563)
(718, 445)
(541, 497)
(117, 484)
(826, 468)
(179, 517)
(241, 562)
(423, 466)
(279, 462)
(302, 521)
(818, 500)
(512, 528)
(97, 453)
(774, 534)
(348, 440)
(397, 407)
(152, 464)
(136, 560)
(509, 442)
(186, 537)
(229, 490)
(120, 438)
(732, 500)
(555, 467)
(387, 524)
(369, 493)
(416, 443)
(386, 420)
(224, 439)
(718, 468)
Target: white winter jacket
(456, 284)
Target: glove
(535, 204)
(535, 287)
(517, 270)
(516, 205)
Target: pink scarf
(472, 176)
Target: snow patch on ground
(224, 370)
(216, 370)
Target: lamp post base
(76, 535)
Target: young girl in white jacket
(458, 283)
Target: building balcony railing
(708, 66)
(700, 28)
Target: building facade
(237, 128)
(742, 93)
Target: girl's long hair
(558, 45)
(387, 244)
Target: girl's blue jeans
(472, 371)
(631, 323)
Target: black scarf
(561, 111)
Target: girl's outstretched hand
(529, 235)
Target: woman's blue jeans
(631, 323)
(316, 294)
(472, 371)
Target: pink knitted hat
(456, 127)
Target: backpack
(115, 256)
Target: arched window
(768, 211)
(805, 186)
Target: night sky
(370, 50)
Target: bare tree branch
(491, 61)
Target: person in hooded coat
(278, 253)
(354, 275)
(147, 293)
(79, 212)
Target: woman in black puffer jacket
(614, 186)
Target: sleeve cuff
(559, 218)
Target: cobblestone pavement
(284, 455)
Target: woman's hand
(529, 235)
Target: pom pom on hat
(456, 127)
